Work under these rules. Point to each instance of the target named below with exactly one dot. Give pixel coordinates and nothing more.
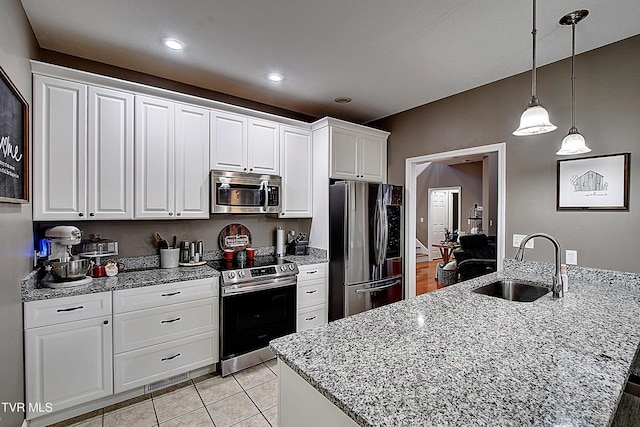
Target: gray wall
(17, 45)
(136, 237)
(607, 93)
(468, 176)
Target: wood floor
(426, 280)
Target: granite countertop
(145, 271)
(454, 357)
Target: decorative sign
(14, 131)
(594, 183)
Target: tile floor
(248, 398)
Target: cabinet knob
(250, 169)
(170, 213)
(106, 322)
(244, 169)
(80, 214)
(179, 213)
(92, 214)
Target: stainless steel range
(257, 304)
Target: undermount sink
(513, 290)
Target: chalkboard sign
(14, 143)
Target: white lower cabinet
(68, 352)
(164, 330)
(312, 303)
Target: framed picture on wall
(14, 143)
(594, 183)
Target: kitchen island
(454, 357)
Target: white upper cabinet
(297, 172)
(110, 154)
(83, 151)
(171, 148)
(243, 144)
(263, 147)
(192, 161)
(357, 155)
(228, 141)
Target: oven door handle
(378, 288)
(232, 290)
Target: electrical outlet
(517, 239)
(571, 257)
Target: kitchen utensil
(169, 258)
(70, 270)
(174, 244)
(235, 236)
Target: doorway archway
(411, 172)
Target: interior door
(438, 214)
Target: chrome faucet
(557, 278)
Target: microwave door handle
(265, 186)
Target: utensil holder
(169, 258)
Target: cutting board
(235, 236)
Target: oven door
(250, 319)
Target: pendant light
(573, 143)
(535, 119)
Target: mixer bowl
(70, 270)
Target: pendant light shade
(574, 142)
(535, 119)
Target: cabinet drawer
(310, 318)
(140, 367)
(158, 295)
(66, 309)
(312, 272)
(143, 328)
(312, 293)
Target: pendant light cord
(573, 75)
(533, 61)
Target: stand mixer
(64, 270)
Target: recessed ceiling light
(275, 77)
(172, 44)
(343, 100)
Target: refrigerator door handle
(377, 232)
(378, 288)
(385, 226)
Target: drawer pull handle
(170, 357)
(171, 294)
(310, 318)
(61, 310)
(312, 272)
(312, 292)
(170, 321)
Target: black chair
(476, 256)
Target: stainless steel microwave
(240, 192)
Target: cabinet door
(192, 162)
(344, 154)
(154, 153)
(296, 166)
(60, 144)
(228, 142)
(372, 158)
(110, 154)
(263, 147)
(68, 364)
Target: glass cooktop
(259, 261)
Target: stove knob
(241, 273)
(231, 275)
(291, 267)
(283, 268)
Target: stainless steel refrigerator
(365, 246)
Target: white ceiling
(387, 55)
